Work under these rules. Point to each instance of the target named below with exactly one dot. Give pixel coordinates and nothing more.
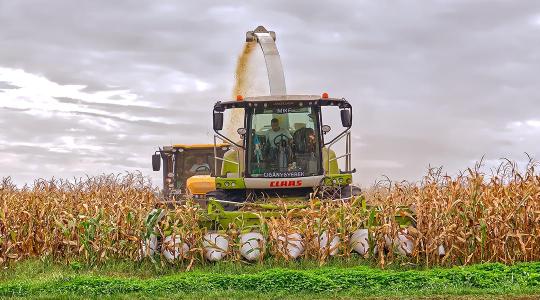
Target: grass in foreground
(273, 280)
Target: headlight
(233, 184)
(227, 184)
(340, 180)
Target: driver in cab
(276, 134)
(199, 166)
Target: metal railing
(347, 155)
(223, 159)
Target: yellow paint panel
(201, 184)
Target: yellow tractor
(188, 170)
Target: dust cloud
(242, 86)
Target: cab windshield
(192, 162)
(283, 142)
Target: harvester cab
(186, 166)
(283, 152)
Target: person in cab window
(199, 167)
(278, 142)
(276, 134)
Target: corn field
(94, 218)
(469, 218)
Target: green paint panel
(216, 218)
(230, 183)
(338, 179)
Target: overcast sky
(90, 87)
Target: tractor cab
(187, 164)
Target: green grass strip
(493, 279)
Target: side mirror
(346, 118)
(326, 129)
(218, 121)
(242, 132)
(156, 162)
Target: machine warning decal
(279, 183)
(283, 110)
(283, 174)
(283, 103)
(287, 110)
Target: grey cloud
(5, 85)
(431, 82)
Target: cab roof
(277, 100)
(198, 146)
(284, 98)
